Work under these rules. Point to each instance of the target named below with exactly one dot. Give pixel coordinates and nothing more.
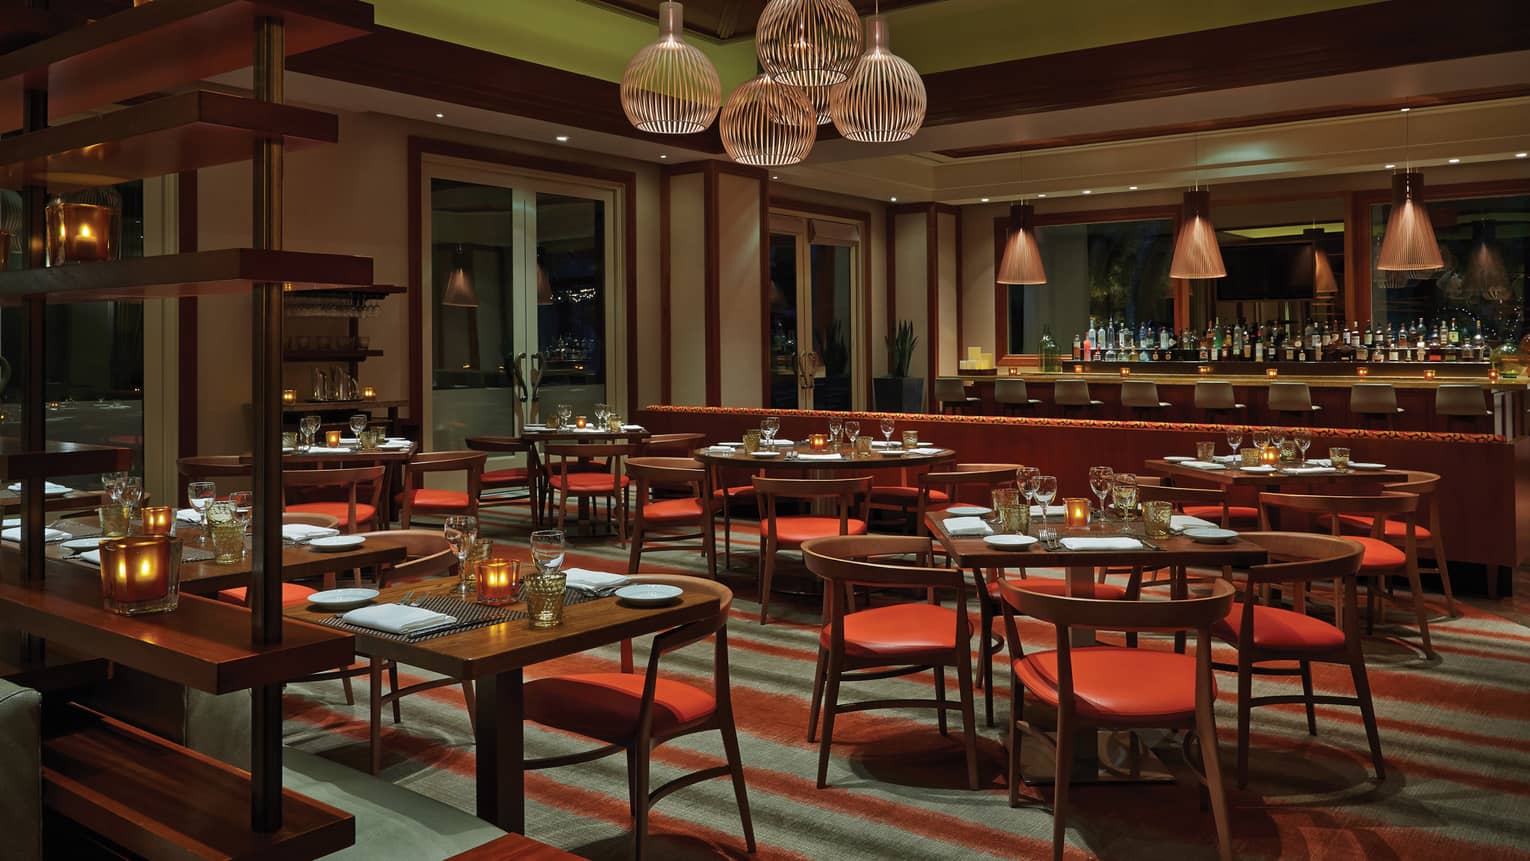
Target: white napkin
(1228, 458)
(324, 449)
(810, 456)
(1058, 510)
(1185, 521)
(533, 427)
(188, 515)
(1102, 544)
(961, 527)
(1203, 464)
(1310, 470)
(880, 443)
(633, 428)
(720, 449)
(1258, 470)
(49, 535)
(91, 556)
(396, 444)
(925, 450)
(593, 582)
(1319, 461)
(398, 619)
(299, 532)
(779, 443)
(48, 488)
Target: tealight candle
(1076, 511)
(1203, 369)
(1429, 373)
(1126, 372)
(332, 438)
(1493, 375)
(1078, 369)
(498, 580)
(1272, 373)
(158, 519)
(1014, 370)
(818, 441)
(79, 232)
(141, 574)
(1364, 372)
(368, 393)
(1269, 456)
(289, 396)
(580, 422)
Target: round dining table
(798, 458)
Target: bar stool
(951, 395)
(1141, 396)
(1458, 403)
(1216, 396)
(1012, 394)
(1073, 395)
(1374, 400)
(1292, 398)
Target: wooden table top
(78, 500)
(382, 455)
(571, 434)
(1234, 477)
(298, 563)
(972, 552)
(510, 645)
(895, 459)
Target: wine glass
(461, 530)
(565, 414)
(1123, 492)
(130, 491)
(1099, 483)
(836, 427)
(768, 428)
(1235, 439)
(852, 430)
(359, 424)
(1303, 439)
(201, 494)
(602, 412)
(244, 506)
(1028, 476)
(1278, 437)
(1261, 438)
(547, 550)
(308, 426)
(888, 426)
(111, 482)
(1046, 491)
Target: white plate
(765, 454)
(333, 543)
(648, 594)
(1177, 458)
(1210, 534)
(1009, 542)
(336, 600)
(1355, 464)
(80, 545)
(968, 511)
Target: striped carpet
(1454, 733)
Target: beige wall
(910, 258)
(739, 325)
(950, 345)
(687, 289)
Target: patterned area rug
(1454, 732)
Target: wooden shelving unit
(198, 273)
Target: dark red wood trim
(186, 322)
(961, 340)
(1357, 278)
(414, 171)
(713, 284)
(764, 180)
(1000, 291)
(666, 325)
(931, 298)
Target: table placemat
(470, 616)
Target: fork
(406, 600)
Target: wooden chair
(887, 641)
(672, 444)
(212, 468)
(1206, 503)
(1112, 688)
(350, 513)
(608, 483)
(433, 502)
(1425, 484)
(784, 532)
(1263, 633)
(635, 713)
(495, 486)
(938, 489)
(913, 501)
(698, 509)
(1382, 559)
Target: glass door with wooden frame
(814, 308)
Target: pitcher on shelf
(320, 385)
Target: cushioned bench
(21, 771)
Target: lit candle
(332, 438)
(1076, 511)
(818, 441)
(1126, 372)
(289, 396)
(1078, 369)
(1269, 456)
(79, 232)
(498, 580)
(1429, 373)
(1493, 375)
(158, 519)
(1272, 373)
(1014, 370)
(1203, 369)
(580, 422)
(368, 393)
(1364, 372)
(140, 574)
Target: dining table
(1098, 757)
(1286, 477)
(536, 437)
(494, 656)
(74, 500)
(392, 458)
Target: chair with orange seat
(938, 489)
(785, 532)
(699, 509)
(1111, 688)
(1383, 559)
(358, 483)
(671, 444)
(1426, 485)
(1207, 503)
(608, 483)
(436, 502)
(218, 468)
(1264, 633)
(634, 713)
(924, 495)
(891, 640)
(496, 486)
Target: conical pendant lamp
(459, 291)
(1021, 263)
(1312, 267)
(1196, 254)
(1408, 244)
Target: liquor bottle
(1362, 348)
(1455, 333)
(1078, 347)
(1420, 351)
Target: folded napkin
(1258, 470)
(593, 582)
(1309, 470)
(1058, 510)
(188, 515)
(396, 444)
(91, 556)
(1185, 521)
(925, 450)
(398, 619)
(324, 449)
(779, 443)
(811, 456)
(533, 427)
(1319, 461)
(299, 532)
(1203, 464)
(1228, 458)
(49, 535)
(880, 443)
(961, 527)
(48, 488)
(1102, 544)
(633, 428)
(13, 521)
(720, 449)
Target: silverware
(406, 599)
(1149, 545)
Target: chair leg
(350, 695)
(1060, 785)
(736, 771)
(640, 797)
(818, 677)
(1016, 712)
(632, 782)
(969, 713)
(940, 698)
(1444, 568)
(393, 688)
(470, 701)
(1367, 710)
(627, 655)
(986, 616)
(830, 704)
(1211, 763)
(1306, 669)
(1420, 612)
(374, 713)
(635, 556)
(1245, 691)
(767, 570)
(727, 533)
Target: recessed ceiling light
(1043, 194)
(893, 199)
(561, 138)
(1131, 188)
(1521, 154)
(1389, 166)
(1087, 191)
(982, 200)
(440, 116)
(773, 176)
(1405, 110)
(1454, 161)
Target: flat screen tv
(1264, 271)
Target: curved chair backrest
(1290, 397)
(1182, 496)
(648, 472)
(851, 494)
(1456, 399)
(1214, 395)
(1008, 390)
(309, 518)
(980, 475)
(1373, 399)
(348, 478)
(1197, 613)
(676, 444)
(469, 462)
(1389, 504)
(1296, 557)
(1071, 393)
(846, 561)
(1419, 482)
(949, 389)
(579, 450)
(427, 554)
(1139, 393)
(504, 444)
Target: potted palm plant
(898, 392)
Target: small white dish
(1009, 542)
(336, 543)
(336, 600)
(648, 594)
(1355, 464)
(765, 454)
(80, 545)
(1177, 458)
(968, 511)
(1210, 534)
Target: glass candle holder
(1078, 369)
(1157, 514)
(1014, 518)
(554, 421)
(114, 519)
(1429, 373)
(289, 396)
(1272, 373)
(1363, 372)
(614, 424)
(581, 422)
(332, 438)
(498, 581)
(1339, 457)
(1269, 456)
(911, 439)
(1203, 369)
(1205, 451)
(368, 393)
(158, 520)
(1493, 375)
(1250, 456)
(544, 599)
(818, 442)
(1126, 372)
(863, 446)
(1288, 451)
(1014, 371)
(289, 439)
(751, 441)
(141, 574)
(1075, 511)
(80, 233)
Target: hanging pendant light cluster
(815, 68)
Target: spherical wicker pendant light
(808, 43)
(883, 100)
(767, 124)
(670, 87)
(819, 96)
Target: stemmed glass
(359, 424)
(547, 550)
(1261, 438)
(888, 426)
(768, 428)
(307, 427)
(1099, 483)
(1028, 476)
(130, 491)
(602, 412)
(1046, 491)
(244, 507)
(836, 427)
(1123, 492)
(461, 530)
(111, 482)
(1234, 439)
(1303, 439)
(1278, 437)
(852, 430)
(201, 494)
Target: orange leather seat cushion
(686, 510)
(425, 497)
(605, 705)
(503, 477)
(900, 495)
(1123, 686)
(338, 510)
(293, 594)
(896, 631)
(588, 482)
(1379, 555)
(737, 490)
(1242, 515)
(1286, 630)
(1057, 586)
(791, 531)
(1360, 524)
